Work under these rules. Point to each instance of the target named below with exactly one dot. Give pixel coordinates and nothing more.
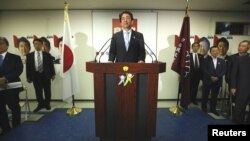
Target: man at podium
(127, 45)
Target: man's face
(203, 48)
(126, 21)
(38, 45)
(223, 48)
(215, 52)
(243, 47)
(3, 47)
(195, 47)
(23, 48)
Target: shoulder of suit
(45, 53)
(117, 34)
(12, 55)
(136, 32)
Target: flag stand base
(176, 110)
(74, 111)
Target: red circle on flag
(68, 58)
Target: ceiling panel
(206, 5)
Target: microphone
(150, 53)
(101, 49)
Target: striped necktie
(39, 62)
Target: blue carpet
(58, 126)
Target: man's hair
(23, 39)
(59, 40)
(213, 47)
(244, 41)
(5, 40)
(224, 40)
(46, 41)
(126, 12)
(38, 39)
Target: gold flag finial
(187, 9)
(66, 7)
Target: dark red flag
(181, 63)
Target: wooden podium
(125, 112)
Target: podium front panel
(125, 112)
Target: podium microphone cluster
(97, 53)
(150, 52)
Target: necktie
(1, 60)
(127, 40)
(39, 62)
(196, 66)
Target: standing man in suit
(40, 70)
(242, 51)
(240, 77)
(196, 60)
(213, 70)
(11, 67)
(127, 45)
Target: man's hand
(140, 61)
(29, 81)
(214, 79)
(53, 77)
(233, 91)
(3, 81)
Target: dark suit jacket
(12, 67)
(231, 61)
(136, 50)
(48, 66)
(197, 72)
(209, 70)
(240, 75)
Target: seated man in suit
(213, 70)
(11, 67)
(127, 45)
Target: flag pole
(74, 110)
(178, 110)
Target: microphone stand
(152, 53)
(103, 53)
(101, 49)
(150, 56)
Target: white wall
(50, 22)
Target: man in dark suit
(242, 50)
(240, 80)
(213, 69)
(127, 45)
(11, 67)
(196, 60)
(40, 70)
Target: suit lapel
(5, 59)
(122, 39)
(132, 39)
